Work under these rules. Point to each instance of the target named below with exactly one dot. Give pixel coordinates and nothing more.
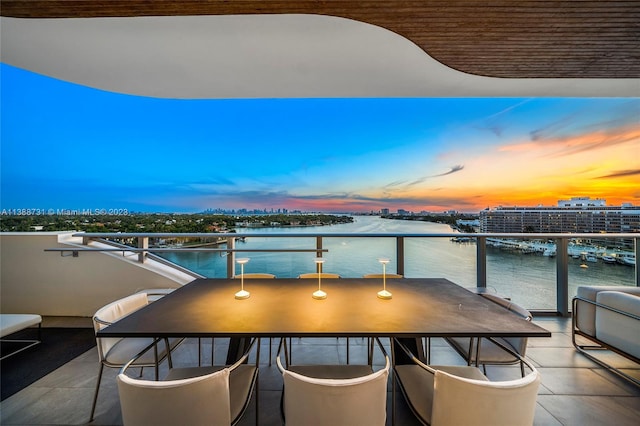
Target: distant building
(577, 215)
(582, 202)
(384, 212)
(403, 212)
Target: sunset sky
(70, 147)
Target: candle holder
(384, 294)
(319, 294)
(242, 294)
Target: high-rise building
(577, 215)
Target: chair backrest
(518, 343)
(113, 312)
(257, 275)
(315, 275)
(461, 401)
(329, 402)
(202, 400)
(381, 276)
(508, 304)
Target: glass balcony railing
(539, 271)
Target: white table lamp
(242, 294)
(319, 294)
(384, 294)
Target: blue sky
(70, 147)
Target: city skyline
(70, 147)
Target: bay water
(528, 279)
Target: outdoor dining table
(419, 307)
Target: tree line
(159, 222)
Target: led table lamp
(384, 294)
(242, 294)
(319, 294)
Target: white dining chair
(484, 351)
(116, 352)
(462, 395)
(215, 395)
(334, 395)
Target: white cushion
(113, 312)
(586, 312)
(615, 329)
(127, 348)
(10, 323)
(489, 351)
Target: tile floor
(574, 390)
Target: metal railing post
(319, 246)
(636, 243)
(481, 262)
(143, 243)
(562, 276)
(400, 255)
(231, 257)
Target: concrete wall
(46, 283)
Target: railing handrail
(182, 249)
(350, 234)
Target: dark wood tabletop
(432, 307)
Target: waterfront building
(577, 215)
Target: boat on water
(609, 259)
(462, 240)
(588, 257)
(625, 258)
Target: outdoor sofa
(609, 318)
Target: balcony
(574, 389)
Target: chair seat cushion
(348, 371)
(490, 353)
(415, 380)
(127, 348)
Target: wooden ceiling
(496, 38)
